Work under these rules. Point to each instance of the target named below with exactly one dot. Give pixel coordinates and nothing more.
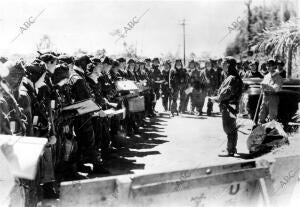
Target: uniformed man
(210, 78)
(4, 114)
(183, 81)
(46, 93)
(5, 128)
(37, 124)
(115, 72)
(176, 80)
(43, 124)
(81, 63)
(198, 92)
(69, 160)
(165, 87)
(83, 125)
(143, 76)
(219, 71)
(137, 71)
(228, 96)
(122, 68)
(263, 69)
(253, 72)
(12, 81)
(196, 95)
(130, 119)
(280, 68)
(108, 92)
(144, 79)
(94, 71)
(147, 65)
(174, 89)
(131, 70)
(270, 85)
(69, 60)
(155, 78)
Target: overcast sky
(88, 24)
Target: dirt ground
(185, 141)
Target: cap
(108, 61)
(130, 61)
(61, 72)
(230, 60)
(280, 63)
(192, 62)
(121, 60)
(115, 64)
(16, 70)
(213, 61)
(82, 61)
(66, 59)
(47, 58)
(167, 62)
(35, 70)
(83, 58)
(271, 62)
(96, 60)
(52, 53)
(155, 60)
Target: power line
(183, 24)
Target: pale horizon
(87, 25)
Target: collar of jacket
(93, 77)
(40, 82)
(78, 69)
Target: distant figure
(210, 78)
(244, 68)
(178, 83)
(280, 68)
(263, 69)
(155, 77)
(198, 93)
(253, 72)
(219, 70)
(165, 87)
(270, 85)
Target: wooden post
(290, 60)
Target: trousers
(184, 98)
(269, 106)
(230, 128)
(197, 99)
(166, 94)
(174, 97)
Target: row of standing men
(33, 95)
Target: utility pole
(249, 30)
(135, 51)
(183, 27)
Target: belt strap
(230, 108)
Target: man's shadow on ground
(253, 155)
(150, 135)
